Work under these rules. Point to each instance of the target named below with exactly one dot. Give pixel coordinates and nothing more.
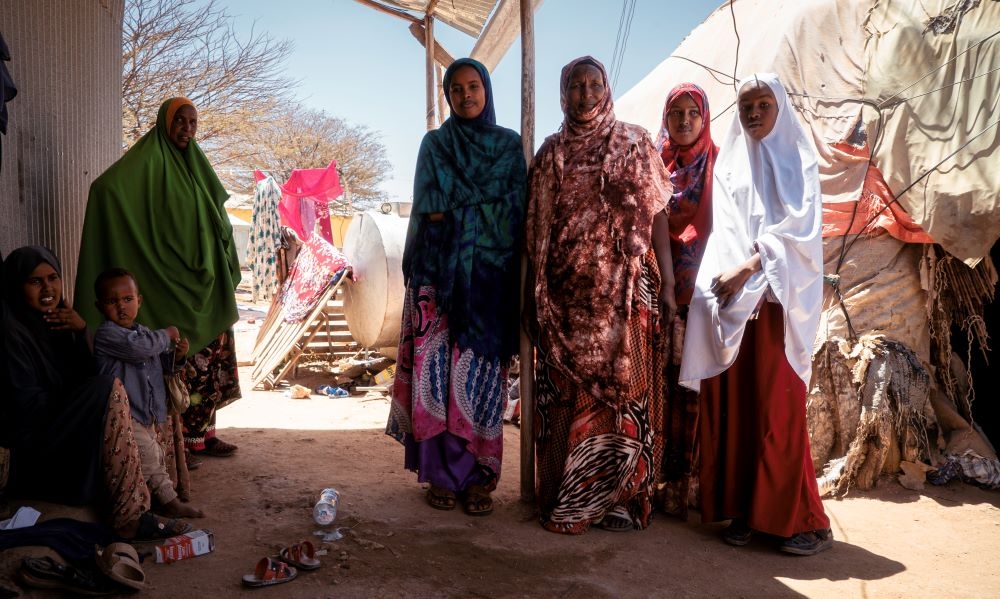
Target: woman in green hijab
(158, 212)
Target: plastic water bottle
(325, 510)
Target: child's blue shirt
(138, 357)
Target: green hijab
(158, 212)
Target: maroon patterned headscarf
(594, 187)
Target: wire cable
(621, 42)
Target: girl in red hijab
(686, 146)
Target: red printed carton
(194, 543)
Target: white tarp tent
(911, 93)
(917, 84)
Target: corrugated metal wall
(65, 123)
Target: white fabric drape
(766, 195)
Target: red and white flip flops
(269, 572)
(301, 555)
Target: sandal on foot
(120, 563)
(809, 543)
(154, 528)
(302, 555)
(218, 448)
(47, 573)
(617, 520)
(477, 501)
(440, 498)
(269, 571)
(737, 533)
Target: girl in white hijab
(751, 326)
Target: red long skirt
(755, 461)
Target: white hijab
(765, 193)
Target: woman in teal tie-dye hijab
(461, 266)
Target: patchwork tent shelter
(903, 103)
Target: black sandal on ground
(47, 573)
(738, 533)
(617, 519)
(809, 543)
(155, 528)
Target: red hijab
(690, 170)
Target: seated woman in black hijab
(68, 429)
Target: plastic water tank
(373, 303)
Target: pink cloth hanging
(306, 196)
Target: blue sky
(372, 69)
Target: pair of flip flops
(476, 500)
(48, 573)
(285, 568)
(117, 564)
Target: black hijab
(20, 264)
(56, 357)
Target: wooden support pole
(443, 110)
(430, 68)
(442, 56)
(389, 11)
(527, 351)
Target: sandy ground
(891, 542)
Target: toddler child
(138, 356)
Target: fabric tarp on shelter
(861, 71)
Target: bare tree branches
(247, 115)
(303, 138)
(175, 47)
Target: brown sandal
(477, 501)
(440, 498)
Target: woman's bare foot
(177, 509)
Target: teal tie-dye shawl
(473, 172)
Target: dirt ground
(891, 542)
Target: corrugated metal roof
(468, 16)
